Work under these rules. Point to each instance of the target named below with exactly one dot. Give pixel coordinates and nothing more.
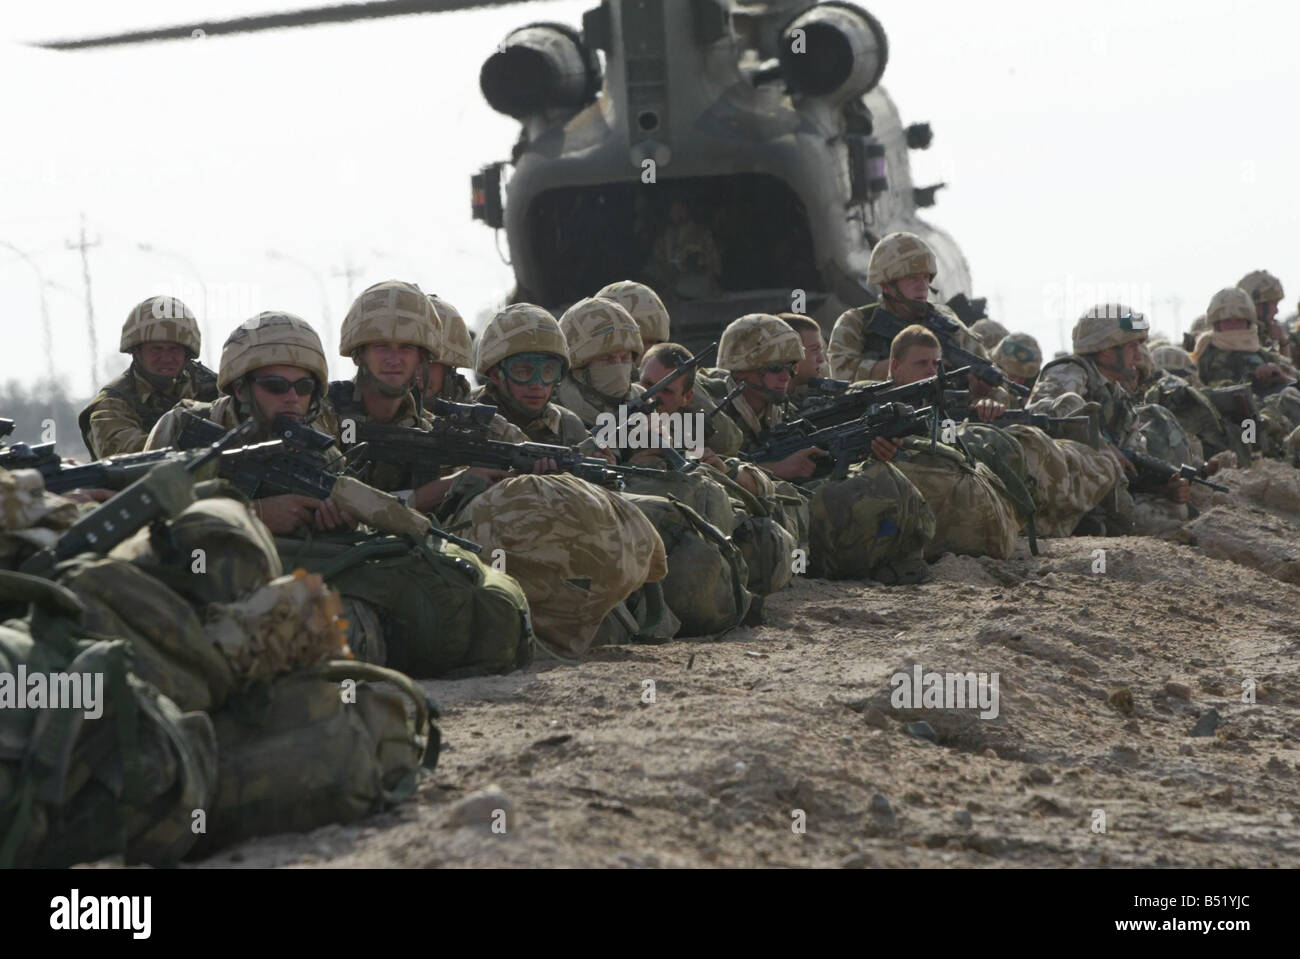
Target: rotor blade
(339, 13)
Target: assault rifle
(844, 443)
(887, 325)
(22, 456)
(298, 462)
(650, 400)
(164, 491)
(113, 472)
(825, 386)
(1160, 472)
(851, 404)
(459, 437)
(1080, 428)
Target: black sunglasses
(279, 385)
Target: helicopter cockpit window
(690, 239)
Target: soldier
(522, 355)
(163, 339)
(393, 335)
(1106, 341)
(1020, 358)
(814, 353)
(644, 306)
(1266, 294)
(873, 523)
(903, 266)
(1234, 353)
(914, 355)
(685, 258)
(721, 437)
(604, 348)
(272, 365)
(456, 352)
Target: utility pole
(46, 329)
(350, 271)
(84, 246)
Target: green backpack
(73, 788)
(442, 611)
(315, 747)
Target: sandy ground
(779, 745)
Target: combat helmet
(898, 255)
(392, 311)
(271, 339)
(521, 328)
(989, 332)
(1018, 354)
(757, 339)
(1230, 303)
(1262, 286)
(595, 326)
(644, 306)
(1172, 359)
(1107, 325)
(457, 347)
(161, 319)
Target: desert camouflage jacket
(119, 418)
(853, 351)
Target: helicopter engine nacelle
(540, 67)
(834, 51)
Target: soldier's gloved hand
(988, 410)
(284, 514)
(1179, 490)
(1268, 373)
(607, 455)
(885, 448)
(712, 459)
(546, 465)
(331, 516)
(1124, 464)
(796, 466)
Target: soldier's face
(288, 403)
(436, 374)
(674, 395)
(1236, 323)
(914, 287)
(613, 359)
(162, 358)
(394, 363)
(532, 396)
(1267, 311)
(918, 363)
(814, 357)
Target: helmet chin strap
(383, 388)
(166, 384)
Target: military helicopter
(737, 156)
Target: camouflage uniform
(455, 351)
(853, 350)
(525, 328)
(121, 415)
(643, 305)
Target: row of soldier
(677, 552)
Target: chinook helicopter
(736, 156)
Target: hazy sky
(1142, 151)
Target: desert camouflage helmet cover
(595, 326)
(521, 328)
(161, 319)
(1230, 303)
(456, 348)
(644, 306)
(989, 332)
(1107, 325)
(1018, 354)
(899, 255)
(394, 312)
(1200, 324)
(757, 339)
(271, 339)
(1262, 286)
(1166, 356)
